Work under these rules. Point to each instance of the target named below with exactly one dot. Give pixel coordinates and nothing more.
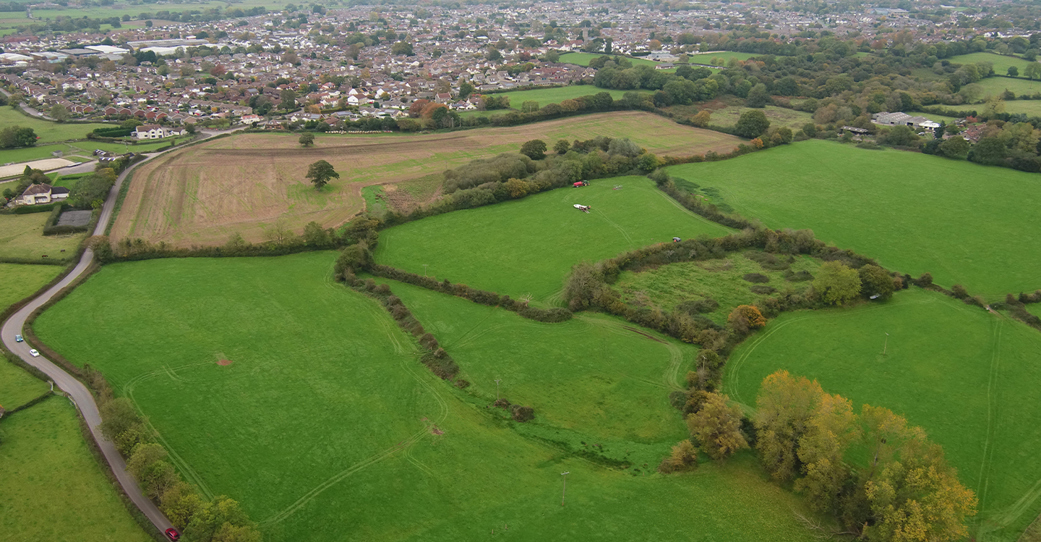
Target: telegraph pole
(497, 380)
(885, 345)
(563, 493)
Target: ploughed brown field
(246, 184)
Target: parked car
(34, 353)
(18, 338)
(172, 534)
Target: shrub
(798, 276)
(924, 281)
(762, 289)
(756, 277)
(698, 306)
(959, 291)
(684, 456)
(746, 318)
(522, 413)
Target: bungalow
(39, 194)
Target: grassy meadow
(245, 184)
(545, 96)
(46, 130)
(914, 213)
(526, 247)
(596, 378)
(390, 436)
(18, 281)
(719, 58)
(720, 280)
(968, 377)
(21, 236)
(52, 488)
(1001, 63)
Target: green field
(721, 280)
(1031, 108)
(326, 424)
(46, 130)
(1001, 63)
(554, 95)
(596, 378)
(20, 280)
(778, 116)
(526, 247)
(994, 86)
(21, 236)
(725, 56)
(52, 488)
(17, 387)
(912, 212)
(583, 59)
(966, 376)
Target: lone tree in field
(307, 139)
(320, 172)
(752, 124)
(534, 149)
(837, 284)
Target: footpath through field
(77, 392)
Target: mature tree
(59, 113)
(314, 235)
(758, 96)
(221, 520)
(752, 124)
(465, 90)
(717, 427)
(783, 411)
(829, 433)
(1013, 71)
(989, 151)
(702, 118)
(17, 136)
(320, 172)
(180, 502)
(746, 318)
(152, 473)
(955, 147)
(288, 97)
(354, 258)
(837, 284)
(899, 136)
(561, 146)
(117, 416)
(307, 139)
(401, 48)
(493, 55)
(534, 149)
(1033, 70)
(876, 281)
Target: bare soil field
(246, 184)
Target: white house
(40, 194)
(154, 131)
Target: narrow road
(78, 393)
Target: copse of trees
(16, 136)
(903, 489)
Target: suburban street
(77, 392)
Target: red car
(172, 534)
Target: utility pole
(885, 345)
(425, 269)
(497, 380)
(563, 493)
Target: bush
(959, 291)
(762, 289)
(698, 306)
(522, 413)
(756, 277)
(798, 276)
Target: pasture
(46, 130)
(1000, 63)
(545, 96)
(246, 183)
(720, 280)
(52, 488)
(525, 248)
(21, 236)
(914, 213)
(390, 436)
(22, 280)
(994, 86)
(966, 376)
(1030, 108)
(719, 58)
(596, 378)
(722, 114)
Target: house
(154, 131)
(40, 194)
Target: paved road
(77, 392)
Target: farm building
(903, 119)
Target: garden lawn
(46, 130)
(21, 280)
(597, 378)
(912, 212)
(326, 426)
(21, 236)
(721, 280)
(968, 377)
(526, 247)
(52, 488)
